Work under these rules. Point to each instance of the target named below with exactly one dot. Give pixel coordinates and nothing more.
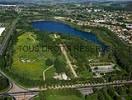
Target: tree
(60, 64)
(4, 83)
(100, 96)
(49, 62)
(42, 95)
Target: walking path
(63, 50)
(45, 71)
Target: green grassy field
(66, 94)
(92, 97)
(30, 63)
(60, 97)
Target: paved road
(14, 88)
(45, 71)
(83, 86)
(21, 93)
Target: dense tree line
(6, 98)
(111, 93)
(4, 83)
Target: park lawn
(59, 94)
(50, 73)
(86, 74)
(60, 97)
(92, 97)
(30, 63)
(32, 71)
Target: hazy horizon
(55, 1)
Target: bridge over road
(20, 93)
(23, 94)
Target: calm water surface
(52, 26)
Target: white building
(2, 30)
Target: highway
(5, 41)
(76, 86)
(20, 92)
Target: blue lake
(52, 26)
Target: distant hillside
(41, 1)
(53, 1)
(56, 1)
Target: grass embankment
(66, 94)
(4, 83)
